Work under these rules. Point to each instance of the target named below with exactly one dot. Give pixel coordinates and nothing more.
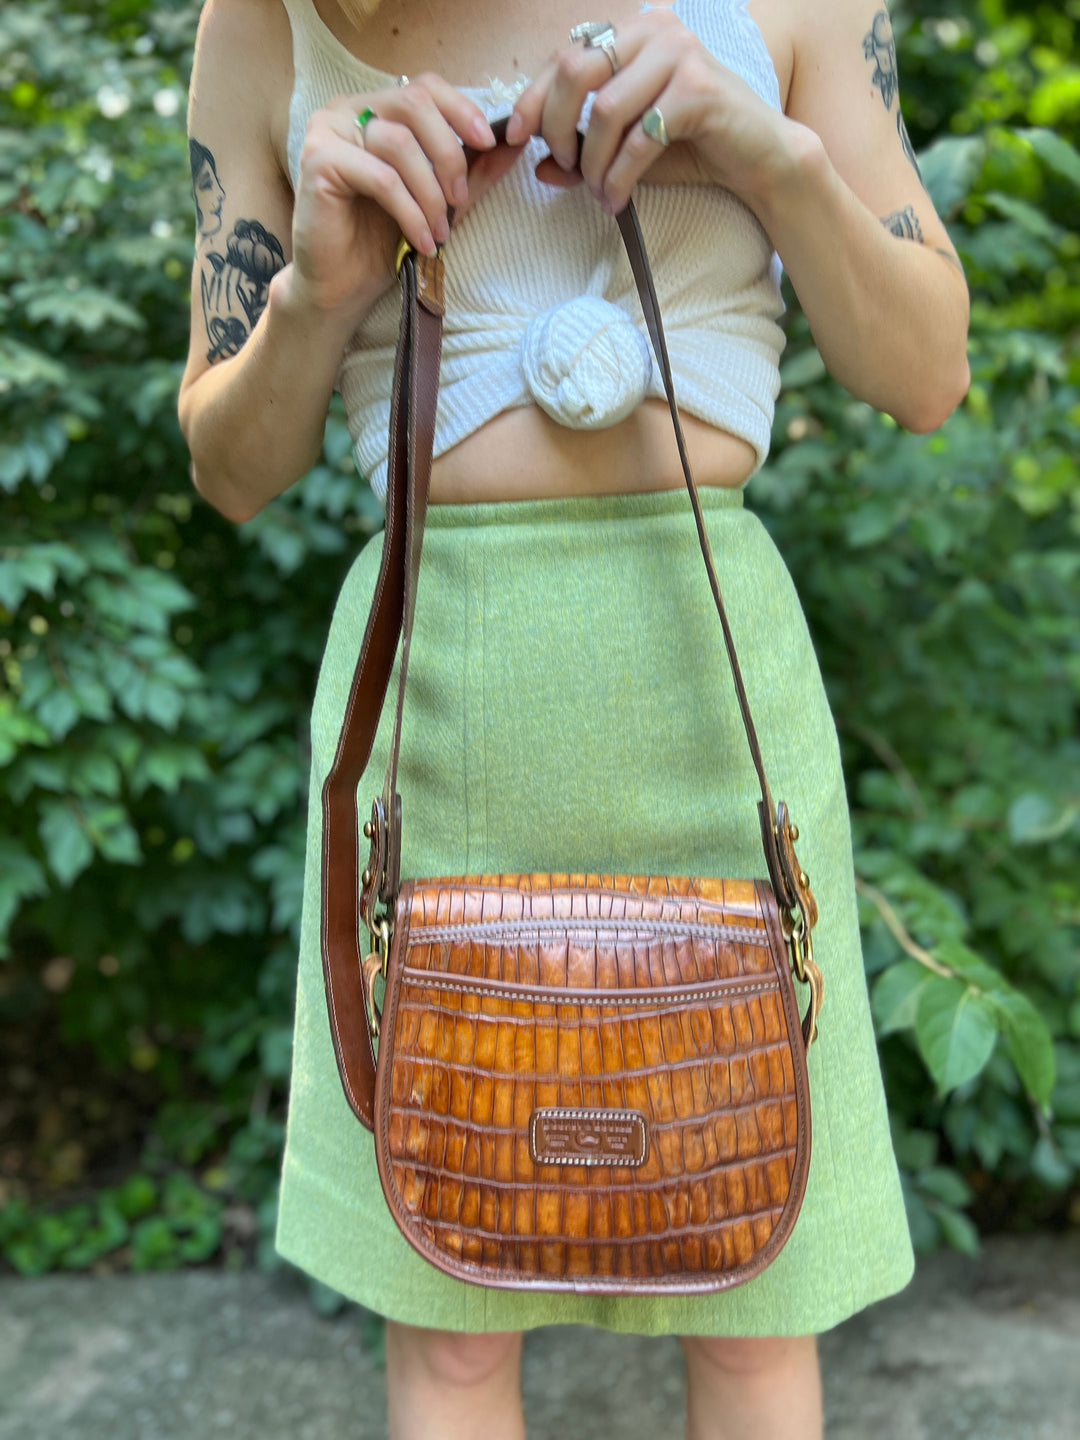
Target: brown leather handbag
(593, 1083)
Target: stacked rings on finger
(361, 120)
(597, 35)
(652, 122)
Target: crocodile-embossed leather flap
(592, 1083)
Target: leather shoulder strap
(348, 896)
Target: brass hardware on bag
(380, 943)
(403, 249)
(817, 991)
(369, 830)
(800, 944)
(801, 948)
(365, 878)
(373, 966)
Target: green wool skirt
(570, 708)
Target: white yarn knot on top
(585, 362)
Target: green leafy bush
(157, 664)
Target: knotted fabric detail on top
(585, 363)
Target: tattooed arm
(871, 261)
(260, 370)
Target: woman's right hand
(359, 191)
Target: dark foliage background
(156, 666)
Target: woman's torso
(467, 45)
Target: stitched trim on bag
(586, 925)
(565, 995)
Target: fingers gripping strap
(412, 431)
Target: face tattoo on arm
(208, 190)
(235, 285)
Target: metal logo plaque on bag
(588, 1137)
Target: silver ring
(598, 35)
(652, 122)
(606, 41)
(588, 30)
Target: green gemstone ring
(362, 119)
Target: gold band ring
(652, 122)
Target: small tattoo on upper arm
(951, 258)
(904, 224)
(234, 286)
(879, 46)
(905, 141)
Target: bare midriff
(523, 454)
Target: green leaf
(944, 1185)
(915, 1149)
(872, 523)
(68, 848)
(1030, 1043)
(798, 371)
(154, 1245)
(1055, 152)
(949, 168)
(922, 1221)
(956, 1030)
(17, 730)
(971, 967)
(1026, 216)
(71, 303)
(1034, 818)
(958, 1231)
(21, 878)
(275, 1052)
(112, 832)
(896, 994)
(136, 1196)
(1068, 1138)
(1050, 1165)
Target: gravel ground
(987, 1349)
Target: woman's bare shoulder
(778, 21)
(244, 49)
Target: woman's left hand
(720, 131)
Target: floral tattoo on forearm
(879, 47)
(234, 285)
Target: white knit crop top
(541, 306)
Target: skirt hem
(617, 1314)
